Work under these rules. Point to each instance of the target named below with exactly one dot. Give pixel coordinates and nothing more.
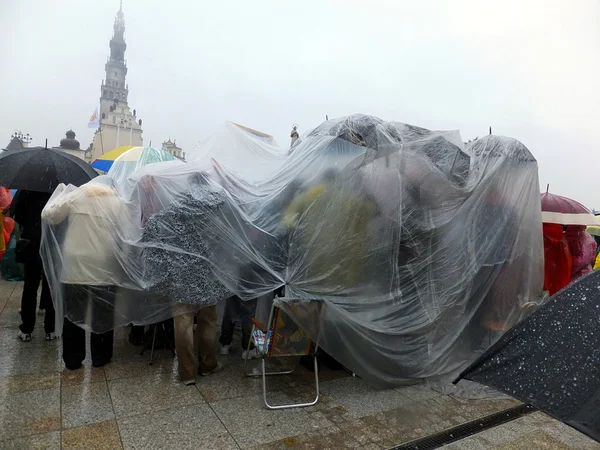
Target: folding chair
(281, 338)
(170, 345)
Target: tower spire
(118, 123)
(117, 43)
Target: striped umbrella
(565, 211)
(105, 162)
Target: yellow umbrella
(594, 230)
(105, 162)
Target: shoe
(250, 354)
(25, 337)
(225, 349)
(41, 312)
(50, 336)
(136, 337)
(189, 382)
(217, 369)
(73, 366)
(98, 364)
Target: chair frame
(264, 355)
(171, 345)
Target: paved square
(129, 404)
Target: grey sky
(531, 69)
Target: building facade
(171, 147)
(71, 146)
(119, 125)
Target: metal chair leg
(170, 344)
(291, 405)
(152, 349)
(247, 350)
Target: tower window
(105, 93)
(111, 95)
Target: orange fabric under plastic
(7, 225)
(557, 259)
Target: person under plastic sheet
(497, 275)
(330, 221)
(189, 361)
(301, 202)
(501, 239)
(558, 261)
(91, 269)
(150, 204)
(583, 248)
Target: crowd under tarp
(412, 253)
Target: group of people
(89, 275)
(352, 220)
(90, 283)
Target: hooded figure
(558, 261)
(583, 248)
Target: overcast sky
(530, 69)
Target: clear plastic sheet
(415, 252)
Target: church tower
(118, 124)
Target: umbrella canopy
(594, 230)
(143, 156)
(136, 158)
(42, 169)
(551, 359)
(565, 211)
(105, 162)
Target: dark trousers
(73, 340)
(78, 299)
(236, 309)
(34, 273)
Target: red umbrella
(565, 211)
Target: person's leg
(73, 342)
(45, 303)
(207, 337)
(184, 346)
(46, 300)
(247, 313)
(101, 346)
(246, 333)
(102, 301)
(248, 309)
(136, 335)
(33, 276)
(227, 327)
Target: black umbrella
(551, 360)
(42, 169)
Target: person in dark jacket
(26, 209)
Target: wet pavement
(129, 404)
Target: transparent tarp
(415, 252)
